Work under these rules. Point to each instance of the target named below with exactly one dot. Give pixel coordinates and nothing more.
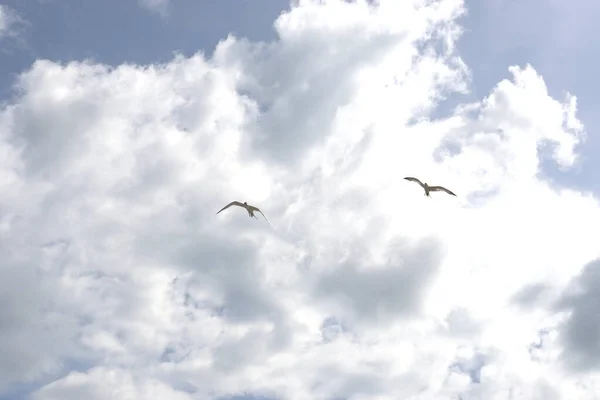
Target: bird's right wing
(263, 214)
(441, 188)
(233, 203)
(410, 178)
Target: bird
(248, 207)
(428, 188)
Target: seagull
(429, 188)
(248, 207)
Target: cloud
(158, 6)
(112, 252)
(11, 24)
(100, 383)
(530, 295)
(383, 292)
(580, 330)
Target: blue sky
(110, 249)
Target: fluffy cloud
(119, 281)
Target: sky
(126, 125)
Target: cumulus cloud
(581, 329)
(100, 383)
(119, 281)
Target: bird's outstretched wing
(233, 203)
(440, 188)
(263, 214)
(409, 178)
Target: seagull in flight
(428, 188)
(248, 207)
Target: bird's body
(428, 188)
(248, 207)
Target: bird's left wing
(233, 203)
(441, 188)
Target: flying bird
(248, 207)
(428, 188)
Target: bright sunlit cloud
(118, 280)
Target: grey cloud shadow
(531, 296)
(381, 294)
(219, 261)
(223, 278)
(580, 333)
(31, 315)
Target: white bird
(428, 188)
(248, 207)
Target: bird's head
(245, 203)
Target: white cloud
(158, 6)
(100, 383)
(4, 20)
(112, 252)
(10, 23)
